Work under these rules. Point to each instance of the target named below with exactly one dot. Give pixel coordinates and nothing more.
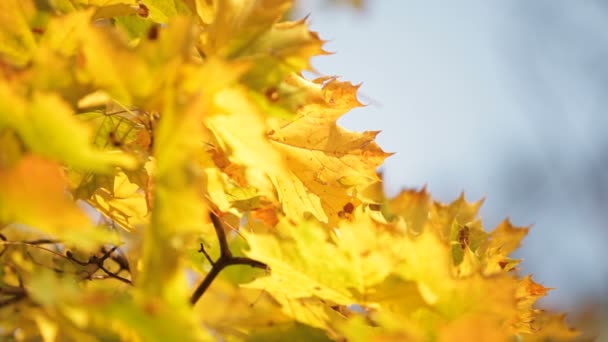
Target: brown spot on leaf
(463, 237)
(348, 208)
(143, 10)
(114, 139)
(153, 32)
(272, 94)
(374, 207)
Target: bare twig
(12, 300)
(98, 262)
(15, 294)
(226, 259)
(202, 250)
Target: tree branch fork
(226, 259)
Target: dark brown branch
(221, 236)
(25, 242)
(15, 294)
(12, 300)
(115, 275)
(98, 261)
(40, 242)
(202, 250)
(226, 259)
(11, 290)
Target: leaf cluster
(146, 146)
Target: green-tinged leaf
(289, 332)
(460, 212)
(178, 202)
(123, 203)
(249, 146)
(16, 37)
(48, 117)
(295, 276)
(111, 9)
(125, 124)
(121, 314)
(161, 11)
(135, 26)
(149, 320)
(232, 25)
(283, 49)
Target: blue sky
(498, 99)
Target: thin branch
(4, 241)
(11, 290)
(71, 257)
(204, 251)
(115, 275)
(99, 263)
(15, 294)
(12, 300)
(226, 259)
(202, 287)
(221, 236)
(247, 262)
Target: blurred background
(501, 99)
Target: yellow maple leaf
(396, 274)
(17, 40)
(501, 242)
(46, 118)
(231, 25)
(240, 127)
(124, 203)
(251, 31)
(33, 193)
(413, 206)
(178, 204)
(326, 161)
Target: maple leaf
(325, 160)
(232, 25)
(501, 242)
(249, 31)
(156, 113)
(179, 175)
(240, 128)
(397, 275)
(123, 203)
(16, 38)
(33, 193)
(47, 116)
(413, 206)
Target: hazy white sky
(500, 99)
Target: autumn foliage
(168, 174)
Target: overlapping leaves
(395, 272)
(124, 123)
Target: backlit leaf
(320, 154)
